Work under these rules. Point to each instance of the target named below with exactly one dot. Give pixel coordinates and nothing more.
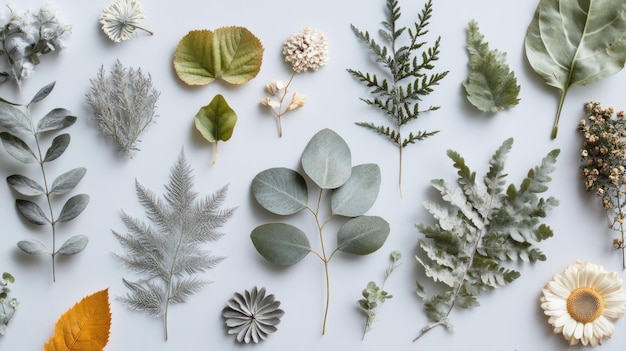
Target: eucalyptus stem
(555, 127)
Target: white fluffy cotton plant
(480, 226)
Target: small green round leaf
(327, 160)
(280, 190)
(358, 194)
(216, 121)
(362, 235)
(280, 243)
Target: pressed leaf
(216, 121)
(13, 119)
(17, 148)
(358, 194)
(31, 212)
(490, 86)
(56, 119)
(73, 245)
(362, 235)
(280, 243)
(24, 185)
(42, 93)
(84, 327)
(280, 190)
(73, 207)
(327, 159)
(57, 148)
(67, 181)
(571, 43)
(232, 54)
(33, 247)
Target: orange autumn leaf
(84, 327)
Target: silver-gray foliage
(480, 226)
(124, 105)
(252, 315)
(8, 305)
(168, 252)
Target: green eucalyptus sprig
(327, 161)
(374, 296)
(405, 80)
(18, 122)
(8, 306)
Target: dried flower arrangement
(305, 50)
(121, 18)
(252, 315)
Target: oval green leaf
(31, 212)
(327, 160)
(67, 181)
(232, 54)
(14, 120)
(73, 207)
(24, 185)
(362, 235)
(73, 245)
(56, 119)
(282, 191)
(17, 148)
(57, 148)
(359, 193)
(33, 247)
(216, 121)
(572, 43)
(280, 243)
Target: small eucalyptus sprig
(352, 191)
(374, 296)
(603, 164)
(18, 122)
(124, 104)
(8, 306)
(480, 226)
(405, 80)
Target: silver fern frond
(252, 315)
(168, 254)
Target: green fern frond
(479, 227)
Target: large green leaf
(280, 243)
(216, 121)
(362, 235)
(14, 120)
(17, 148)
(490, 86)
(56, 119)
(282, 191)
(327, 160)
(24, 185)
(232, 54)
(358, 194)
(571, 43)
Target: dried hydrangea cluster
(583, 301)
(26, 36)
(603, 157)
(304, 50)
(121, 18)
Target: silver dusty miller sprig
(8, 305)
(124, 104)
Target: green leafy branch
(327, 161)
(405, 84)
(479, 227)
(17, 120)
(8, 306)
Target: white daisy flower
(120, 19)
(582, 303)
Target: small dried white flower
(306, 49)
(252, 315)
(121, 18)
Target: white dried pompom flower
(582, 303)
(121, 18)
(306, 49)
(252, 315)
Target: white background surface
(508, 319)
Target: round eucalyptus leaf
(73, 207)
(24, 185)
(281, 191)
(362, 235)
(280, 243)
(32, 247)
(31, 212)
(358, 194)
(73, 245)
(327, 160)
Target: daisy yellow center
(585, 305)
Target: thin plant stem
(280, 113)
(555, 127)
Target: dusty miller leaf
(478, 228)
(490, 86)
